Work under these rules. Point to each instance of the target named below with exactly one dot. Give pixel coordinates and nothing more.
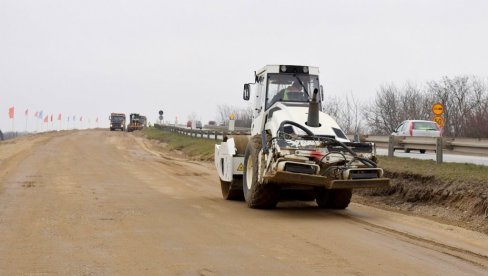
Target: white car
(418, 128)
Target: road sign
(232, 116)
(160, 113)
(439, 120)
(438, 108)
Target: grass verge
(446, 172)
(427, 169)
(195, 148)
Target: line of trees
(243, 116)
(465, 100)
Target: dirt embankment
(461, 203)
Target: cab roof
(285, 68)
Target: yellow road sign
(232, 116)
(439, 120)
(438, 108)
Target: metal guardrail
(10, 135)
(440, 145)
(215, 133)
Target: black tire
(232, 190)
(422, 151)
(407, 150)
(339, 199)
(321, 197)
(257, 195)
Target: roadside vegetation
(465, 100)
(194, 148)
(447, 172)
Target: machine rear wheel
(232, 190)
(256, 194)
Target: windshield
(117, 119)
(290, 88)
(424, 126)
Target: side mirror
(246, 94)
(321, 93)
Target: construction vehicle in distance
(143, 120)
(134, 122)
(294, 148)
(117, 121)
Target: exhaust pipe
(313, 110)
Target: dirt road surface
(112, 203)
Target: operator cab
(289, 84)
(290, 88)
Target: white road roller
(294, 148)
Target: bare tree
(460, 96)
(414, 103)
(345, 111)
(465, 101)
(243, 116)
(331, 106)
(382, 115)
(192, 117)
(477, 118)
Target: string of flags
(45, 118)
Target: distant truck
(117, 121)
(143, 120)
(134, 122)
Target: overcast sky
(90, 58)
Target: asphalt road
(429, 155)
(113, 203)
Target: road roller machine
(293, 148)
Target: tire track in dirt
(478, 259)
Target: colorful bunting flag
(59, 117)
(11, 112)
(46, 119)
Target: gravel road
(112, 203)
